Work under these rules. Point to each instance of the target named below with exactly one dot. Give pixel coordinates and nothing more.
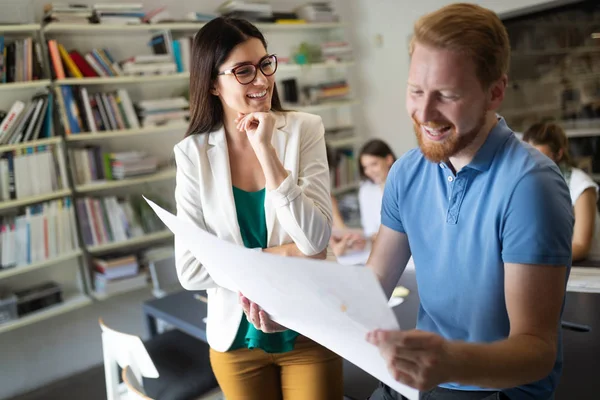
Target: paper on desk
(584, 279)
(334, 305)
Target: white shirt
(298, 211)
(579, 182)
(370, 196)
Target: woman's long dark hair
(376, 148)
(212, 45)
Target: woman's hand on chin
(258, 126)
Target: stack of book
(250, 10)
(163, 111)
(20, 60)
(336, 51)
(317, 12)
(107, 219)
(82, 111)
(94, 165)
(118, 274)
(27, 121)
(153, 64)
(39, 233)
(132, 163)
(329, 91)
(118, 13)
(31, 172)
(67, 13)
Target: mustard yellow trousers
(309, 372)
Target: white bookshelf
(166, 174)
(58, 27)
(4, 205)
(33, 143)
(37, 84)
(130, 243)
(20, 28)
(23, 269)
(313, 67)
(125, 133)
(118, 80)
(69, 303)
(325, 106)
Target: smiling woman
(252, 174)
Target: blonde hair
(469, 29)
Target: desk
(581, 349)
(185, 312)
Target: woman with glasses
(253, 174)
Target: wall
(37, 354)
(382, 68)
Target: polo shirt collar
(496, 138)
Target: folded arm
(303, 206)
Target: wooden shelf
(4, 205)
(330, 105)
(315, 66)
(88, 137)
(69, 303)
(23, 269)
(117, 80)
(120, 183)
(345, 188)
(24, 85)
(137, 241)
(58, 27)
(33, 143)
(19, 28)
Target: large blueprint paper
(334, 305)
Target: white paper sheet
(334, 305)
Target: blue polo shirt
(509, 205)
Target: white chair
(182, 360)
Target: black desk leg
(151, 328)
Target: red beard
(452, 145)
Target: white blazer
(298, 211)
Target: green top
(250, 210)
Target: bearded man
(487, 220)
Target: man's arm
(534, 295)
(389, 257)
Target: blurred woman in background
(550, 139)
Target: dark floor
(88, 385)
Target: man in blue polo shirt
(487, 220)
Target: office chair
(170, 366)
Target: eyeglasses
(246, 73)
